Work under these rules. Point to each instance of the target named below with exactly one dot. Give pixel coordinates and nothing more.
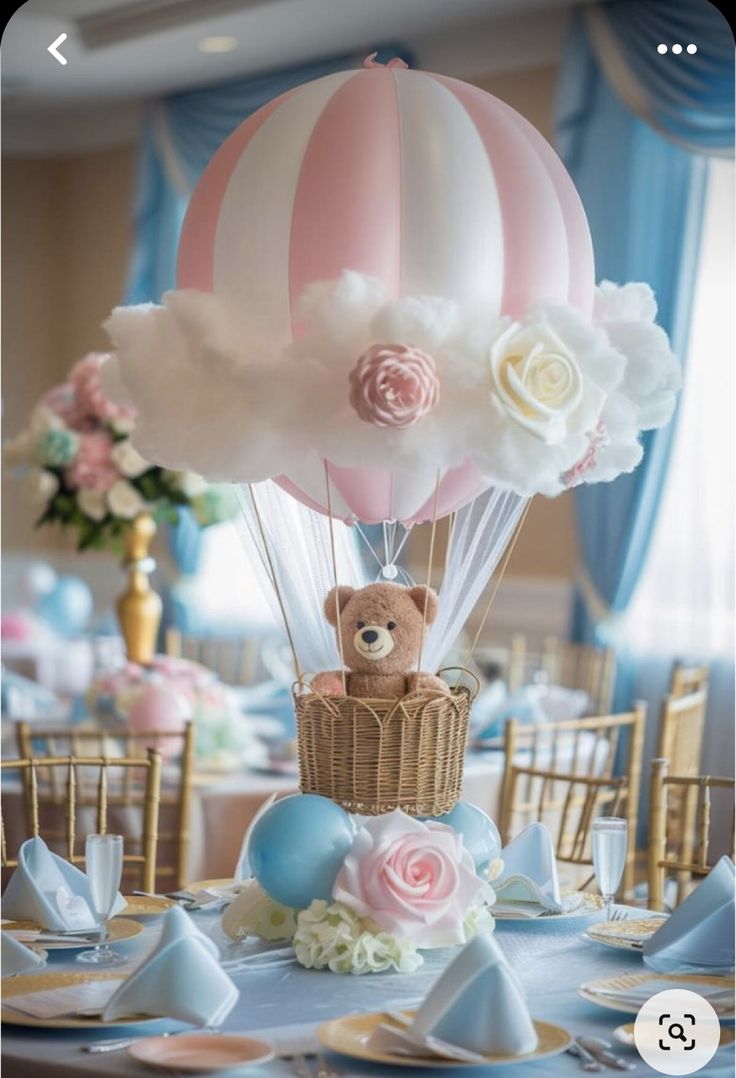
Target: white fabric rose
(40, 485)
(124, 501)
(190, 483)
(537, 380)
(44, 418)
(92, 503)
(129, 460)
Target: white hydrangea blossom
(331, 936)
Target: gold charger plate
(350, 1036)
(146, 905)
(590, 904)
(26, 982)
(592, 992)
(118, 929)
(610, 933)
(625, 1035)
(205, 885)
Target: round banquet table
(285, 1001)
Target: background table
(551, 961)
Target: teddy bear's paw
(429, 681)
(328, 683)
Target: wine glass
(103, 855)
(610, 841)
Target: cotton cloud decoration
(537, 403)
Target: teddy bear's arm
(429, 681)
(328, 683)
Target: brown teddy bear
(381, 628)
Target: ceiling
(121, 53)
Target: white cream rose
(124, 500)
(92, 503)
(128, 459)
(537, 380)
(40, 485)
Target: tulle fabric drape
(290, 547)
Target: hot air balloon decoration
(387, 314)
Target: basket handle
(303, 685)
(462, 670)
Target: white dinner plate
(590, 904)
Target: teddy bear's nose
(369, 636)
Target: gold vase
(139, 607)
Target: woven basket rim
(301, 688)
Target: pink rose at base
(394, 385)
(93, 468)
(412, 879)
(62, 400)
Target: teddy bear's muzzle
(373, 642)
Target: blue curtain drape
(180, 135)
(643, 194)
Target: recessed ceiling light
(217, 44)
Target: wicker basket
(372, 756)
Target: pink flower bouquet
(79, 464)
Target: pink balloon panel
(430, 184)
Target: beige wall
(66, 233)
(65, 244)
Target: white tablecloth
(551, 960)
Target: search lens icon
(676, 1036)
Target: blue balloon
(479, 832)
(68, 607)
(297, 848)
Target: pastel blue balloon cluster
(299, 844)
(297, 848)
(68, 606)
(479, 832)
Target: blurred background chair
(176, 749)
(672, 852)
(235, 659)
(595, 747)
(568, 803)
(688, 679)
(141, 777)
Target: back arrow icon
(54, 48)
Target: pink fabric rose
(62, 400)
(93, 467)
(85, 378)
(415, 880)
(597, 440)
(394, 385)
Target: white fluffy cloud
(538, 404)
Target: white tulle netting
(291, 547)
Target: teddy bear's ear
(337, 599)
(422, 595)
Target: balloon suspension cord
(334, 573)
(387, 567)
(499, 578)
(430, 560)
(274, 582)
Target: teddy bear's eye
(391, 625)
(361, 624)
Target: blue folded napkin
(700, 933)
(49, 890)
(17, 958)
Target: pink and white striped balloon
(430, 184)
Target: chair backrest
(688, 679)
(683, 854)
(235, 660)
(574, 666)
(568, 803)
(595, 747)
(176, 748)
(680, 736)
(145, 788)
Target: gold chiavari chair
(680, 742)
(684, 856)
(177, 751)
(688, 679)
(581, 747)
(235, 660)
(145, 793)
(573, 666)
(568, 804)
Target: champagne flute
(103, 855)
(610, 841)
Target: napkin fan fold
(17, 958)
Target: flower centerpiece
(404, 886)
(79, 465)
(168, 692)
